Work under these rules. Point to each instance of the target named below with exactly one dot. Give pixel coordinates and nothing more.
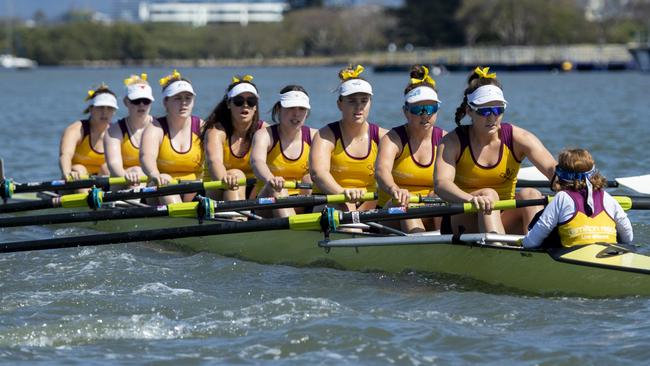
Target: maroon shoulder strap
(164, 125)
(373, 129)
(436, 136)
(306, 135)
(275, 135)
(506, 135)
(336, 130)
(85, 125)
(403, 136)
(122, 124)
(196, 125)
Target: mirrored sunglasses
(419, 110)
(486, 111)
(239, 101)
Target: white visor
(242, 88)
(486, 94)
(104, 100)
(354, 86)
(294, 98)
(177, 87)
(421, 93)
(139, 91)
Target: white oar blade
(640, 183)
(531, 173)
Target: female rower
(81, 151)
(582, 212)
(227, 137)
(479, 163)
(170, 148)
(343, 153)
(122, 140)
(407, 153)
(281, 152)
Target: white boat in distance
(8, 61)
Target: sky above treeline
(25, 9)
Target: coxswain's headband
(570, 176)
(421, 93)
(485, 94)
(242, 88)
(294, 98)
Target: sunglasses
(139, 101)
(486, 111)
(419, 110)
(239, 101)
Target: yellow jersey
(85, 155)
(186, 165)
(130, 152)
(351, 171)
(407, 172)
(502, 176)
(584, 228)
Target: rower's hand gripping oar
(327, 221)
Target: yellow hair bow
(174, 76)
(248, 78)
(91, 94)
(484, 73)
(351, 74)
(425, 79)
(135, 78)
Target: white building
(201, 13)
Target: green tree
(429, 23)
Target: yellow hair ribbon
(248, 78)
(174, 76)
(484, 73)
(425, 79)
(91, 94)
(352, 74)
(134, 79)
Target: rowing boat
(595, 270)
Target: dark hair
(102, 89)
(473, 82)
(221, 115)
(579, 161)
(418, 72)
(275, 111)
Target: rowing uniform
(85, 155)
(502, 176)
(130, 152)
(578, 224)
(243, 162)
(407, 172)
(282, 166)
(186, 165)
(350, 171)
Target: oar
(8, 187)
(206, 208)
(532, 177)
(96, 197)
(326, 221)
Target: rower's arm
(389, 147)
(149, 147)
(259, 153)
(213, 145)
(319, 162)
(113, 151)
(534, 150)
(72, 136)
(445, 171)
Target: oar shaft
(546, 184)
(28, 205)
(146, 235)
(85, 216)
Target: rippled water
(149, 303)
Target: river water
(147, 303)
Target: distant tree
(300, 4)
(39, 17)
(429, 23)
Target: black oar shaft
(546, 184)
(640, 203)
(100, 182)
(153, 192)
(264, 204)
(84, 216)
(28, 205)
(146, 235)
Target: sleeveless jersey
(583, 228)
(186, 165)
(409, 173)
(243, 163)
(130, 153)
(350, 171)
(502, 176)
(85, 155)
(282, 166)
